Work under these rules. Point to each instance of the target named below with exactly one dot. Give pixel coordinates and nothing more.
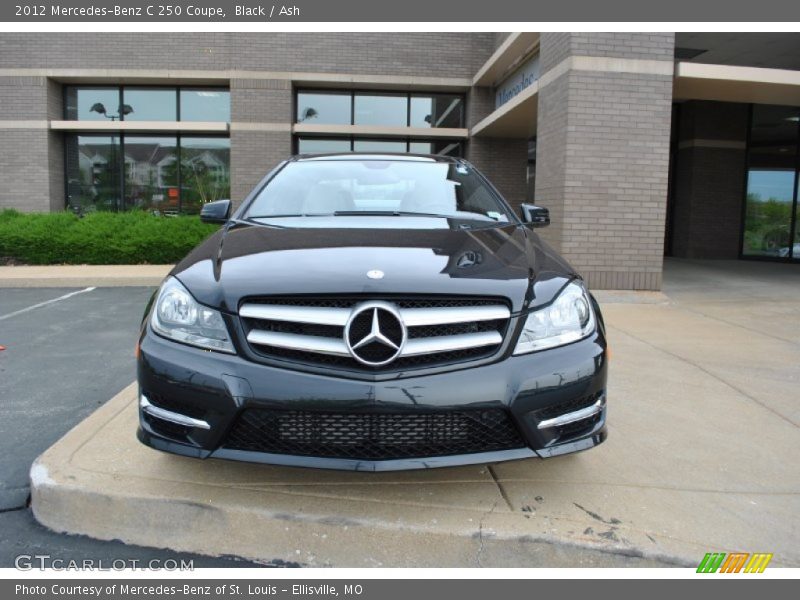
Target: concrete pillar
(709, 171)
(603, 152)
(261, 113)
(504, 161)
(31, 156)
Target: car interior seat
(326, 199)
(430, 196)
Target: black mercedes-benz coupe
(373, 312)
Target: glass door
(772, 184)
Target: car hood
(246, 259)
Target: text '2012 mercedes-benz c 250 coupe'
(373, 312)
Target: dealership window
(444, 147)
(379, 109)
(94, 178)
(389, 110)
(167, 173)
(150, 104)
(386, 109)
(329, 108)
(380, 146)
(205, 104)
(314, 145)
(146, 103)
(436, 110)
(771, 214)
(92, 103)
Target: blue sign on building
(525, 76)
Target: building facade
(640, 144)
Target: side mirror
(535, 216)
(218, 211)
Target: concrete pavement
(703, 432)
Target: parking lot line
(40, 304)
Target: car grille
(311, 331)
(373, 436)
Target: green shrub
(100, 238)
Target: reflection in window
(310, 145)
(92, 104)
(151, 173)
(146, 104)
(379, 146)
(205, 105)
(389, 110)
(151, 104)
(93, 178)
(205, 171)
(144, 172)
(380, 109)
(324, 108)
(771, 181)
(445, 148)
(438, 110)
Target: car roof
(393, 156)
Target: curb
(83, 276)
(75, 490)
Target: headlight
(178, 316)
(568, 319)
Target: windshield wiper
(289, 215)
(262, 223)
(386, 213)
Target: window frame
(179, 137)
(121, 95)
(795, 217)
(380, 92)
(408, 140)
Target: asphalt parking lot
(67, 351)
(704, 419)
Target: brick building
(640, 144)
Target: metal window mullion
(743, 212)
(793, 222)
(179, 171)
(121, 171)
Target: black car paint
(247, 259)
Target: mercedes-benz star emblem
(375, 274)
(375, 333)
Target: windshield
(356, 187)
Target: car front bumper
(212, 390)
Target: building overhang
(514, 49)
(515, 119)
(725, 83)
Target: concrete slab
(700, 457)
(82, 275)
(100, 482)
